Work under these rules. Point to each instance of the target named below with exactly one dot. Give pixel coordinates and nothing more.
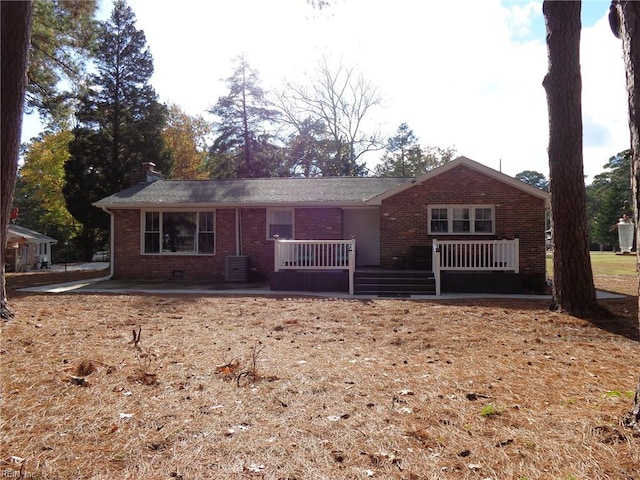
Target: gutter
(111, 241)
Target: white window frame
(143, 231)
(270, 211)
(472, 219)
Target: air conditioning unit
(237, 268)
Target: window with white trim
(461, 219)
(280, 222)
(179, 232)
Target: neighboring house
(27, 249)
(460, 227)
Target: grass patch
(489, 411)
(611, 272)
(606, 263)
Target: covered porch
(455, 266)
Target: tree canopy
(39, 195)
(328, 116)
(533, 178)
(405, 157)
(606, 196)
(185, 140)
(245, 142)
(120, 124)
(62, 41)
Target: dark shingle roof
(263, 192)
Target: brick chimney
(146, 173)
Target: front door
(363, 224)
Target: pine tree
(62, 41)
(624, 17)
(405, 157)
(120, 124)
(14, 33)
(244, 146)
(573, 287)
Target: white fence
(316, 255)
(479, 255)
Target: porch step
(394, 282)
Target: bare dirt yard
(227, 387)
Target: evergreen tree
(624, 17)
(533, 178)
(15, 19)
(120, 124)
(404, 157)
(606, 196)
(244, 146)
(62, 39)
(573, 288)
(307, 150)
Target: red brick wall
(254, 240)
(309, 224)
(129, 263)
(404, 217)
(318, 223)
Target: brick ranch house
(462, 227)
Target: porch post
(516, 254)
(276, 253)
(352, 264)
(436, 265)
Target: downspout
(111, 241)
(238, 234)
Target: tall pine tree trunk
(573, 288)
(15, 32)
(625, 21)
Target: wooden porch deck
(395, 282)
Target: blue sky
(592, 11)
(466, 73)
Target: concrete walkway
(104, 285)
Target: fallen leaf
(405, 392)
(255, 468)
(80, 381)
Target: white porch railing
(316, 255)
(476, 255)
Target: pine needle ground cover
(193, 387)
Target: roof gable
(16, 233)
(483, 169)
